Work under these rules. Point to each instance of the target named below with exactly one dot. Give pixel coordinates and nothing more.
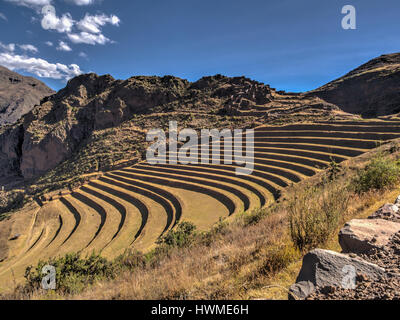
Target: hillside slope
(371, 90)
(18, 95)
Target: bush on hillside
(316, 213)
(131, 259)
(182, 236)
(73, 273)
(333, 170)
(255, 216)
(278, 257)
(380, 173)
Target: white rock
(363, 235)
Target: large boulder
(325, 268)
(388, 212)
(363, 235)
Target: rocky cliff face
(371, 90)
(18, 95)
(90, 103)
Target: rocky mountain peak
(91, 84)
(18, 95)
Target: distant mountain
(97, 122)
(18, 95)
(371, 90)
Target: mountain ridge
(97, 122)
(371, 90)
(18, 95)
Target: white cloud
(82, 2)
(41, 3)
(92, 24)
(3, 16)
(39, 67)
(62, 46)
(89, 27)
(50, 21)
(49, 43)
(7, 47)
(83, 55)
(88, 38)
(28, 47)
(31, 3)
(12, 46)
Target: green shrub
(380, 173)
(316, 213)
(333, 170)
(73, 273)
(255, 216)
(208, 237)
(182, 236)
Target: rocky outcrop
(367, 268)
(11, 139)
(364, 235)
(53, 131)
(388, 212)
(18, 95)
(325, 268)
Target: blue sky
(290, 44)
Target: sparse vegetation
(382, 172)
(3, 199)
(255, 216)
(10, 201)
(333, 170)
(315, 214)
(278, 257)
(131, 259)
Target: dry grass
(315, 214)
(212, 272)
